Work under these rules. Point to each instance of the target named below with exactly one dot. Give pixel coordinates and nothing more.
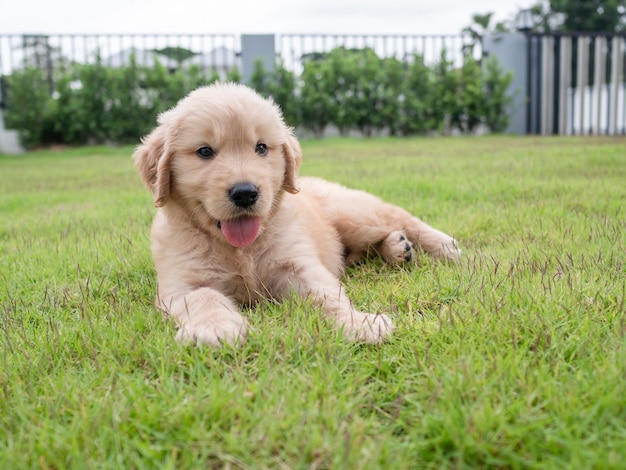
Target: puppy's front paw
(365, 327)
(213, 329)
(397, 248)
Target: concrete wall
(511, 52)
(253, 47)
(9, 142)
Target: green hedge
(351, 89)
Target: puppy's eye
(261, 149)
(205, 152)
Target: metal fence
(292, 48)
(52, 51)
(576, 84)
(212, 52)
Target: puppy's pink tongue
(241, 231)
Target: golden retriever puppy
(235, 223)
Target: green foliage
(355, 89)
(316, 106)
(92, 103)
(596, 15)
(481, 26)
(350, 89)
(418, 113)
(389, 111)
(580, 16)
(163, 88)
(179, 54)
(362, 90)
(282, 88)
(468, 111)
(444, 94)
(259, 78)
(129, 106)
(29, 105)
(72, 110)
(497, 102)
(359, 76)
(233, 75)
(278, 84)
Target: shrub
(163, 88)
(79, 114)
(417, 105)
(496, 82)
(352, 89)
(29, 102)
(315, 101)
(91, 103)
(443, 93)
(282, 88)
(468, 110)
(356, 78)
(130, 110)
(278, 84)
(389, 112)
(233, 75)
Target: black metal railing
(293, 48)
(50, 51)
(212, 52)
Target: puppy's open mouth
(241, 231)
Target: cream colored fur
(310, 228)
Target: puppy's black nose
(244, 194)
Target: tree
(580, 15)
(480, 27)
(469, 106)
(282, 89)
(178, 54)
(278, 84)
(496, 82)
(29, 105)
(417, 109)
(315, 103)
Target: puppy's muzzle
(244, 195)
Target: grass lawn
(515, 358)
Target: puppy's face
(225, 155)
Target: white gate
(576, 84)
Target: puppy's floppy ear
(293, 157)
(152, 159)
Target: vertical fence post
(599, 79)
(565, 83)
(9, 140)
(510, 50)
(582, 78)
(528, 78)
(535, 83)
(547, 84)
(616, 71)
(257, 46)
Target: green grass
(515, 358)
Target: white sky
(249, 16)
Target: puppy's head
(224, 154)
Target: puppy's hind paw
(449, 251)
(397, 248)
